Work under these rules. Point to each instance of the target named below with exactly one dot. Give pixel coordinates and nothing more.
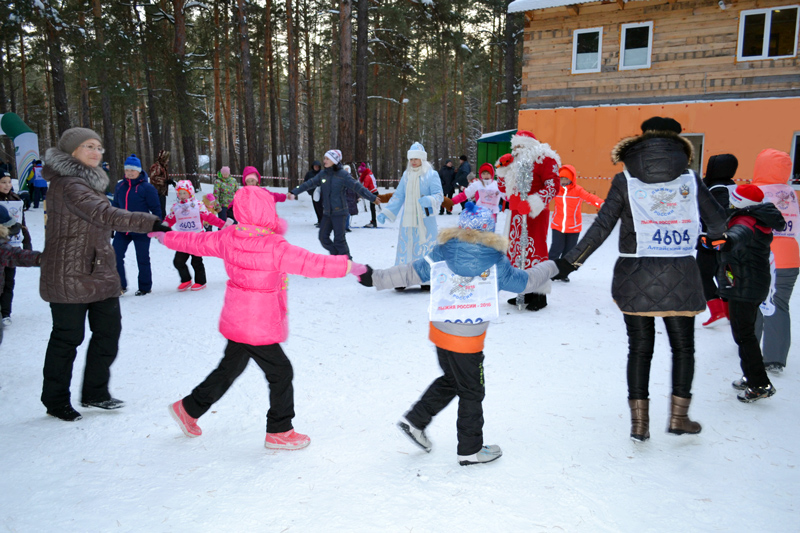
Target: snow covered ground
(556, 404)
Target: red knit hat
(486, 167)
(746, 195)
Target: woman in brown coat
(79, 274)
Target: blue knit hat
(417, 151)
(133, 163)
(476, 217)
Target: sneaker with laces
(759, 393)
(187, 424)
(184, 286)
(64, 412)
(486, 454)
(6, 321)
(198, 287)
(776, 369)
(418, 436)
(740, 384)
(288, 440)
(110, 404)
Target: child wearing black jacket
(744, 280)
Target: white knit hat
(334, 155)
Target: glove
(160, 226)
(720, 245)
(366, 277)
(523, 208)
(565, 268)
(357, 269)
(425, 201)
(158, 235)
(513, 202)
(381, 218)
(228, 222)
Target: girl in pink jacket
(258, 260)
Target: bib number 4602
(668, 238)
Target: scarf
(414, 216)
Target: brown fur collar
(618, 153)
(473, 236)
(58, 163)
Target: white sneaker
(417, 435)
(7, 321)
(487, 454)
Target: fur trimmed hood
(654, 156)
(621, 149)
(471, 236)
(58, 163)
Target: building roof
(518, 6)
(497, 136)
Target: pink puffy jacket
(257, 260)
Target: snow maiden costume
(468, 265)
(531, 203)
(420, 195)
(657, 201)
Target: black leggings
(641, 340)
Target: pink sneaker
(184, 286)
(198, 287)
(288, 440)
(187, 423)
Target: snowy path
(556, 404)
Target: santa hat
(417, 151)
(133, 163)
(185, 185)
(476, 217)
(249, 171)
(486, 167)
(334, 155)
(746, 195)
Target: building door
(796, 160)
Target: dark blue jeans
(39, 193)
(141, 243)
(561, 243)
(337, 224)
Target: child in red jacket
(567, 221)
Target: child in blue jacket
(466, 268)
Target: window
(636, 43)
(768, 33)
(587, 50)
(697, 144)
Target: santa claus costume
(545, 185)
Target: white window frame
(575, 35)
(623, 30)
(767, 30)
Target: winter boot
(64, 412)
(640, 419)
(719, 315)
(539, 302)
(679, 422)
(110, 404)
(187, 424)
(528, 299)
(486, 454)
(418, 436)
(288, 440)
(751, 395)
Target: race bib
(187, 217)
(784, 198)
(665, 216)
(462, 299)
(15, 208)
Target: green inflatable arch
(26, 146)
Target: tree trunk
(345, 134)
(156, 139)
(22, 66)
(217, 96)
(310, 156)
(247, 79)
(86, 120)
(273, 117)
(184, 107)
(109, 139)
(361, 147)
(335, 52)
(511, 67)
(59, 85)
(292, 141)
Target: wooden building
(727, 70)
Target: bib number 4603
(668, 238)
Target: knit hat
(74, 137)
(476, 217)
(746, 195)
(417, 151)
(662, 124)
(567, 171)
(362, 167)
(334, 155)
(225, 170)
(249, 171)
(486, 167)
(185, 185)
(133, 163)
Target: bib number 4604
(668, 238)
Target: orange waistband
(454, 343)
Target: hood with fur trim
(469, 252)
(58, 163)
(654, 156)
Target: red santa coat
(544, 188)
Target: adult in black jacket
(719, 180)
(462, 179)
(316, 166)
(648, 283)
(447, 175)
(744, 280)
(333, 181)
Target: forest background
(269, 83)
